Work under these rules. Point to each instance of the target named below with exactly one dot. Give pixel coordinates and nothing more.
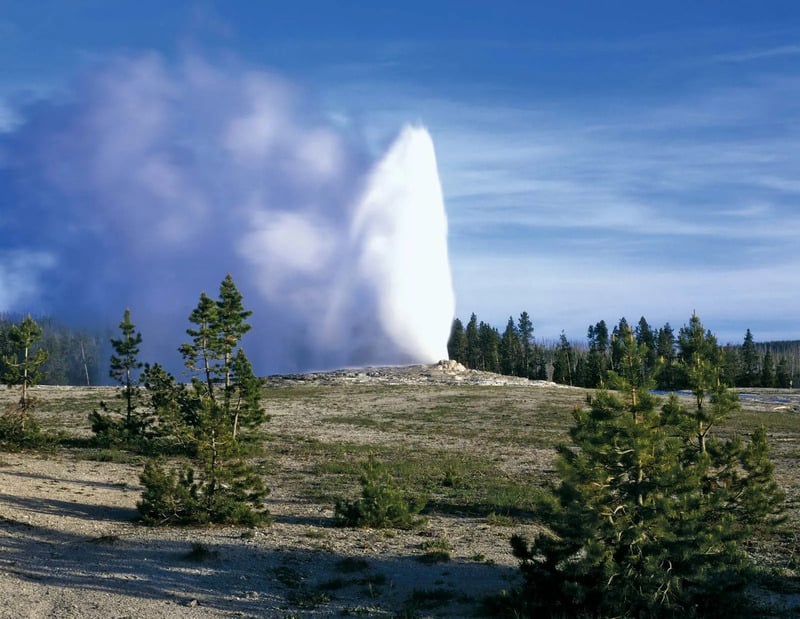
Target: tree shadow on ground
(233, 570)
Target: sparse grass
(499, 520)
(435, 551)
(472, 450)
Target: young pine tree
(216, 415)
(123, 365)
(124, 362)
(22, 364)
(643, 523)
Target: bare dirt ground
(70, 545)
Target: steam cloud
(146, 183)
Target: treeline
(515, 352)
(73, 355)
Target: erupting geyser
(148, 183)
(400, 231)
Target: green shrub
(15, 436)
(382, 503)
(172, 497)
(651, 508)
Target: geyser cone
(400, 228)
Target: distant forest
(515, 351)
(75, 357)
(79, 357)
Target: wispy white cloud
(759, 54)
(653, 205)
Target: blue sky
(598, 159)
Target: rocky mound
(446, 372)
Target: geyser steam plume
(146, 183)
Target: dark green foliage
(14, 437)
(563, 370)
(178, 498)
(489, 340)
(129, 427)
(510, 349)
(646, 522)
(767, 370)
(597, 359)
(382, 503)
(209, 420)
(125, 362)
(457, 343)
(666, 358)
(749, 358)
(170, 497)
(525, 366)
(22, 367)
(646, 339)
(783, 374)
(73, 355)
(472, 341)
(481, 346)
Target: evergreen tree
(525, 334)
(490, 347)
(700, 363)
(618, 342)
(750, 371)
(596, 359)
(768, 370)
(473, 342)
(562, 364)
(666, 374)
(457, 342)
(215, 416)
(783, 375)
(642, 525)
(731, 365)
(539, 363)
(646, 339)
(125, 361)
(23, 365)
(510, 349)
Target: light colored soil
(70, 546)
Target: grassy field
(475, 452)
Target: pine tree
(666, 375)
(23, 364)
(783, 375)
(642, 523)
(618, 342)
(731, 365)
(768, 370)
(700, 364)
(525, 335)
(562, 364)
(510, 350)
(219, 412)
(473, 342)
(457, 343)
(125, 361)
(597, 358)
(750, 371)
(489, 340)
(647, 340)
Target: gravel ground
(70, 546)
